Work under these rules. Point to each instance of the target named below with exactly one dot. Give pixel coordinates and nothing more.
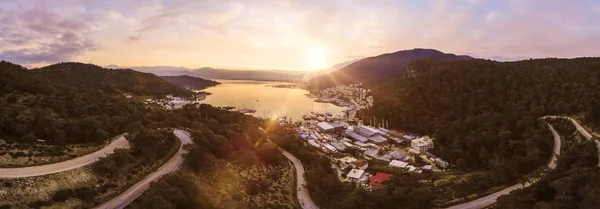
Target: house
(325, 127)
(398, 164)
(361, 164)
(422, 144)
(355, 175)
(376, 181)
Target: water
(267, 101)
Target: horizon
(289, 35)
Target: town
(352, 146)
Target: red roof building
(377, 180)
(361, 164)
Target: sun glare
(316, 59)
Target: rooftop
(325, 126)
(378, 179)
(360, 163)
(356, 173)
(423, 141)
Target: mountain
(372, 69)
(260, 75)
(213, 73)
(110, 80)
(190, 82)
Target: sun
(316, 59)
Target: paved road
(120, 142)
(302, 192)
(138, 189)
(491, 199)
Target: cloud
(282, 33)
(37, 35)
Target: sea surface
(268, 101)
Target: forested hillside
(575, 183)
(72, 102)
(374, 69)
(189, 82)
(110, 81)
(483, 114)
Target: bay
(268, 101)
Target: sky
(288, 34)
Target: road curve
(40, 170)
(301, 191)
(139, 188)
(491, 199)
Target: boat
(228, 107)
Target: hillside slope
(110, 80)
(372, 69)
(190, 82)
(72, 103)
(483, 113)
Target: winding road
(491, 199)
(78, 162)
(301, 191)
(138, 189)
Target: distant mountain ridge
(372, 69)
(213, 73)
(190, 82)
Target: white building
(422, 144)
(356, 174)
(398, 164)
(325, 127)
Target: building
(366, 131)
(422, 144)
(426, 167)
(398, 164)
(355, 175)
(442, 163)
(325, 127)
(376, 181)
(338, 127)
(339, 146)
(357, 137)
(361, 164)
(398, 155)
(377, 139)
(372, 153)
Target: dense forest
(71, 103)
(484, 114)
(575, 183)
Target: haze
(295, 35)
